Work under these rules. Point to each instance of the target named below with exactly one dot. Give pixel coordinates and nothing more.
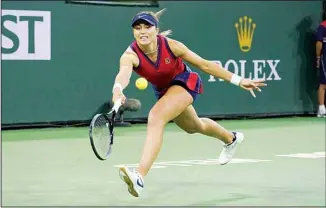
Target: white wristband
(236, 79)
(117, 85)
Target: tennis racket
(101, 132)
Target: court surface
(280, 163)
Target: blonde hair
(157, 16)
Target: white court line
(313, 155)
(189, 163)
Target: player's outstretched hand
(117, 96)
(252, 85)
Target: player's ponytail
(157, 15)
(166, 33)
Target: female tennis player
(160, 60)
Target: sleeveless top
(167, 66)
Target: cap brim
(142, 19)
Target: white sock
(322, 109)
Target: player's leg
(321, 94)
(321, 100)
(191, 123)
(172, 104)
(321, 90)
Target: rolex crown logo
(245, 31)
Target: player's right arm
(127, 61)
(319, 46)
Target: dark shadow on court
(308, 82)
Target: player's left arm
(319, 43)
(210, 67)
(180, 50)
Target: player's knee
(155, 119)
(323, 86)
(191, 131)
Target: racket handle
(117, 105)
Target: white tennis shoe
(229, 149)
(319, 115)
(133, 179)
(321, 112)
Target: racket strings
(101, 135)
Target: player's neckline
(157, 62)
(151, 51)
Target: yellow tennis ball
(141, 83)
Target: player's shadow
(104, 108)
(305, 56)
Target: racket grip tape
(117, 105)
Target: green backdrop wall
(75, 76)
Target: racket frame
(110, 118)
